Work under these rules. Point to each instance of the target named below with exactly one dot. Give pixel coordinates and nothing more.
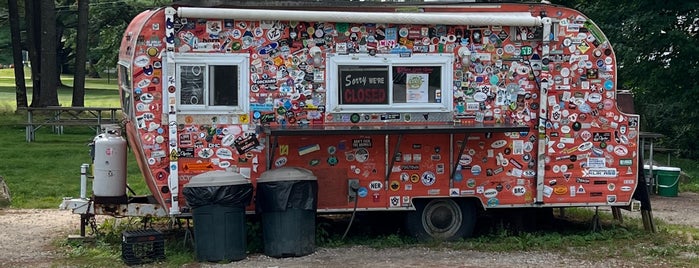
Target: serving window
(212, 82)
(390, 83)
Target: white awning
(465, 18)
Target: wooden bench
(57, 117)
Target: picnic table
(58, 116)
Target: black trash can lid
(287, 174)
(217, 178)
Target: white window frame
(445, 61)
(241, 61)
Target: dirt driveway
(26, 241)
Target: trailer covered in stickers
(435, 110)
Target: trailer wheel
(441, 219)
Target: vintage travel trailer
(436, 110)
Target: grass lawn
(39, 174)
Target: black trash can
(287, 199)
(218, 200)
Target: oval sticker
(224, 164)
(490, 193)
(594, 97)
(585, 146)
(498, 144)
(280, 161)
(375, 185)
(621, 150)
(519, 190)
(480, 96)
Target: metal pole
(83, 180)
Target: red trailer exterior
(424, 107)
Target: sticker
(414, 178)
(519, 190)
(395, 186)
(141, 61)
(498, 144)
(332, 160)
(394, 201)
(281, 161)
(480, 96)
(228, 140)
(304, 150)
(205, 152)
(465, 160)
(621, 150)
(560, 190)
(428, 178)
(594, 97)
(354, 118)
(585, 146)
(224, 153)
(361, 155)
(600, 172)
(362, 192)
(375, 185)
(490, 193)
(146, 98)
(476, 170)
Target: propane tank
(109, 167)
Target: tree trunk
(21, 88)
(80, 55)
(49, 85)
(32, 18)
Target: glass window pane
(192, 84)
(417, 84)
(363, 85)
(224, 85)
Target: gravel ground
(26, 241)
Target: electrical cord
(355, 189)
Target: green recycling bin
(668, 180)
(287, 201)
(218, 200)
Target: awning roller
(465, 18)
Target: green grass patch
(99, 92)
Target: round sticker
(354, 118)
(414, 178)
(361, 155)
(565, 72)
(362, 192)
(476, 170)
(609, 84)
(428, 178)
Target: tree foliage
(657, 47)
(107, 21)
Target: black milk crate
(142, 246)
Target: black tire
(441, 219)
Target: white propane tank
(109, 167)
